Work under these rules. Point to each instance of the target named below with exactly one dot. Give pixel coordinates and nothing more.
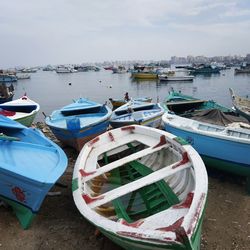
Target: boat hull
(78, 138)
(232, 156)
(144, 76)
(27, 121)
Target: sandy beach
(59, 225)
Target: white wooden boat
(166, 77)
(137, 112)
(22, 110)
(143, 188)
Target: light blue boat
(30, 164)
(79, 122)
(223, 147)
(137, 112)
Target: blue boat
(137, 112)
(79, 122)
(223, 147)
(30, 166)
(4, 77)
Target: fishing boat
(143, 188)
(180, 103)
(137, 112)
(6, 93)
(205, 69)
(22, 110)
(79, 122)
(30, 166)
(23, 76)
(222, 142)
(7, 77)
(144, 75)
(116, 103)
(166, 77)
(241, 104)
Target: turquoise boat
(79, 122)
(221, 138)
(143, 188)
(30, 166)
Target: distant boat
(6, 92)
(116, 103)
(142, 188)
(77, 123)
(137, 112)
(204, 69)
(30, 166)
(241, 104)
(22, 110)
(23, 76)
(119, 70)
(144, 75)
(5, 77)
(175, 77)
(65, 69)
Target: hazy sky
(75, 31)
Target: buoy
(69, 83)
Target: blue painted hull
(30, 164)
(231, 156)
(77, 138)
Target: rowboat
(137, 112)
(22, 110)
(30, 166)
(79, 122)
(241, 104)
(143, 188)
(116, 103)
(179, 104)
(165, 77)
(225, 146)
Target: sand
(59, 225)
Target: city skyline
(61, 32)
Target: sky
(78, 31)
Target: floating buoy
(69, 83)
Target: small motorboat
(30, 166)
(143, 188)
(137, 112)
(79, 122)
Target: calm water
(52, 90)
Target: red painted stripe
(173, 227)
(131, 128)
(187, 203)
(134, 224)
(89, 199)
(92, 142)
(111, 136)
(84, 174)
(162, 141)
(184, 160)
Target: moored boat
(143, 188)
(79, 122)
(30, 166)
(116, 103)
(166, 77)
(23, 110)
(6, 92)
(222, 142)
(137, 112)
(241, 104)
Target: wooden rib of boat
(241, 104)
(116, 103)
(79, 122)
(143, 188)
(137, 112)
(22, 110)
(225, 147)
(30, 165)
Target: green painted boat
(22, 110)
(143, 188)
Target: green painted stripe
(181, 141)
(74, 184)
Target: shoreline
(59, 225)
